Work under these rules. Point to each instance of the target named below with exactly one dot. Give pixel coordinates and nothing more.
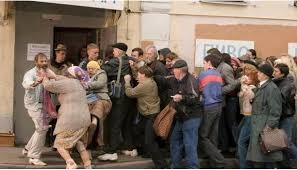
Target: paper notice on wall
(292, 49)
(34, 49)
(232, 47)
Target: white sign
(292, 49)
(232, 47)
(34, 49)
(105, 4)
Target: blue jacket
(210, 84)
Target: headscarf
(93, 64)
(80, 74)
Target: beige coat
(148, 101)
(74, 112)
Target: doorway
(77, 38)
(74, 39)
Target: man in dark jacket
(151, 59)
(118, 123)
(286, 85)
(186, 98)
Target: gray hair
(154, 50)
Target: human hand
(127, 78)
(131, 63)
(177, 98)
(50, 74)
(244, 79)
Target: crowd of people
(109, 104)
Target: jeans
(183, 142)
(208, 134)
(287, 125)
(243, 141)
(228, 122)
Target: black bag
(115, 87)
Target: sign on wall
(292, 49)
(105, 4)
(34, 49)
(234, 48)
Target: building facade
(186, 27)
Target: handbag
(163, 122)
(92, 98)
(272, 140)
(115, 87)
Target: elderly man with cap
(119, 118)
(266, 111)
(186, 97)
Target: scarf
(48, 108)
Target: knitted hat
(121, 46)
(180, 64)
(78, 73)
(93, 64)
(266, 69)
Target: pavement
(11, 157)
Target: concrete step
(13, 159)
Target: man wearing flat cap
(118, 123)
(266, 111)
(185, 95)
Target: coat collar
(262, 87)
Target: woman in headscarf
(73, 116)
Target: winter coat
(74, 111)
(266, 110)
(190, 105)
(246, 95)
(160, 70)
(227, 74)
(146, 92)
(111, 68)
(98, 85)
(287, 87)
(210, 84)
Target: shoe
(25, 152)
(70, 164)
(126, 152)
(134, 153)
(36, 162)
(108, 157)
(88, 165)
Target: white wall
(7, 39)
